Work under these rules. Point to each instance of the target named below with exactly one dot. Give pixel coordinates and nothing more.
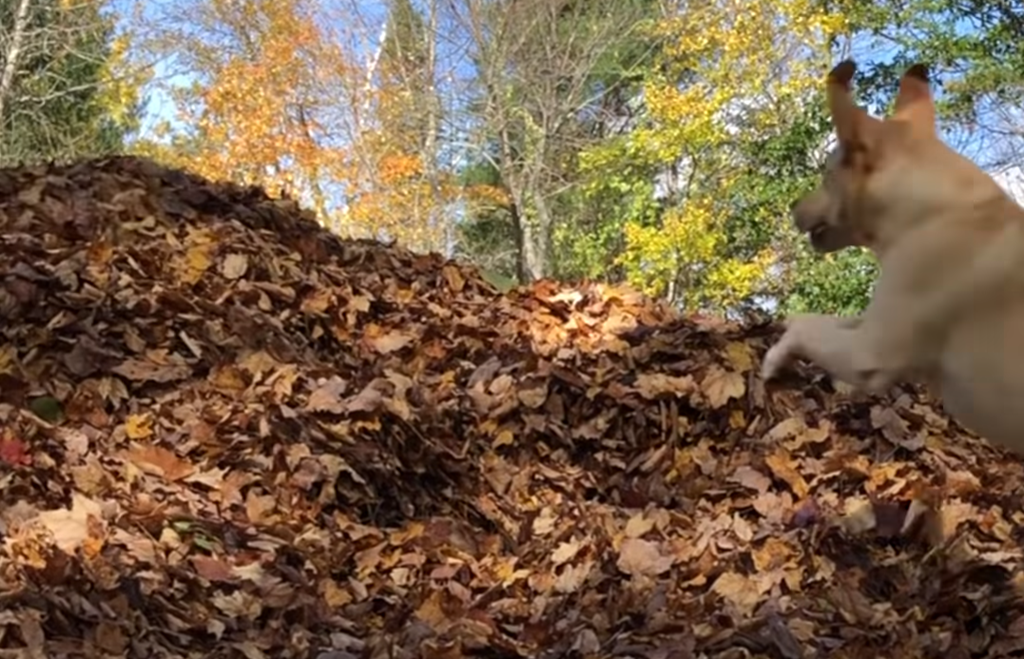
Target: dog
(947, 309)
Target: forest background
(655, 142)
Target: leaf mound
(228, 433)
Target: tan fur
(948, 307)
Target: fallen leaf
(328, 397)
(234, 266)
(160, 461)
(751, 478)
(139, 426)
(739, 591)
(565, 552)
(390, 342)
(783, 467)
(720, 385)
(642, 557)
(638, 526)
(71, 529)
(652, 385)
(14, 452)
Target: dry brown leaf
(572, 577)
(110, 637)
(71, 529)
(739, 590)
(638, 526)
(212, 568)
(720, 385)
(234, 266)
(565, 552)
(139, 426)
(652, 385)
(783, 466)
(259, 509)
(454, 278)
(328, 397)
(160, 461)
(740, 357)
(751, 478)
(141, 370)
(238, 604)
(642, 557)
(390, 341)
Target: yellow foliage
(728, 66)
(683, 258)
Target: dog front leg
(838, 345)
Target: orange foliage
(285, 106)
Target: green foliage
(66, 99)
(838, 283)
(782, 168)
(975, 48)
(487, 234)
(702, 180)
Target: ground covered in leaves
(227, 433)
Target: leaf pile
(228, 433)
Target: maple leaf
(719, 385)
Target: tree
(535, 71)
(260, 109)
(408, 191)
(702, 204)
(64, 92)
(298, 97)
(974, 48)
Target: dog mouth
(821, 237)
(818, 233)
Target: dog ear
(914, 104)
(855, 128)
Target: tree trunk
(430, 150)
(538, 248)
(13, 53)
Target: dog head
(883, 173)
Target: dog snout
(806, 214)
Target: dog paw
(776, 359)
(782, 353)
